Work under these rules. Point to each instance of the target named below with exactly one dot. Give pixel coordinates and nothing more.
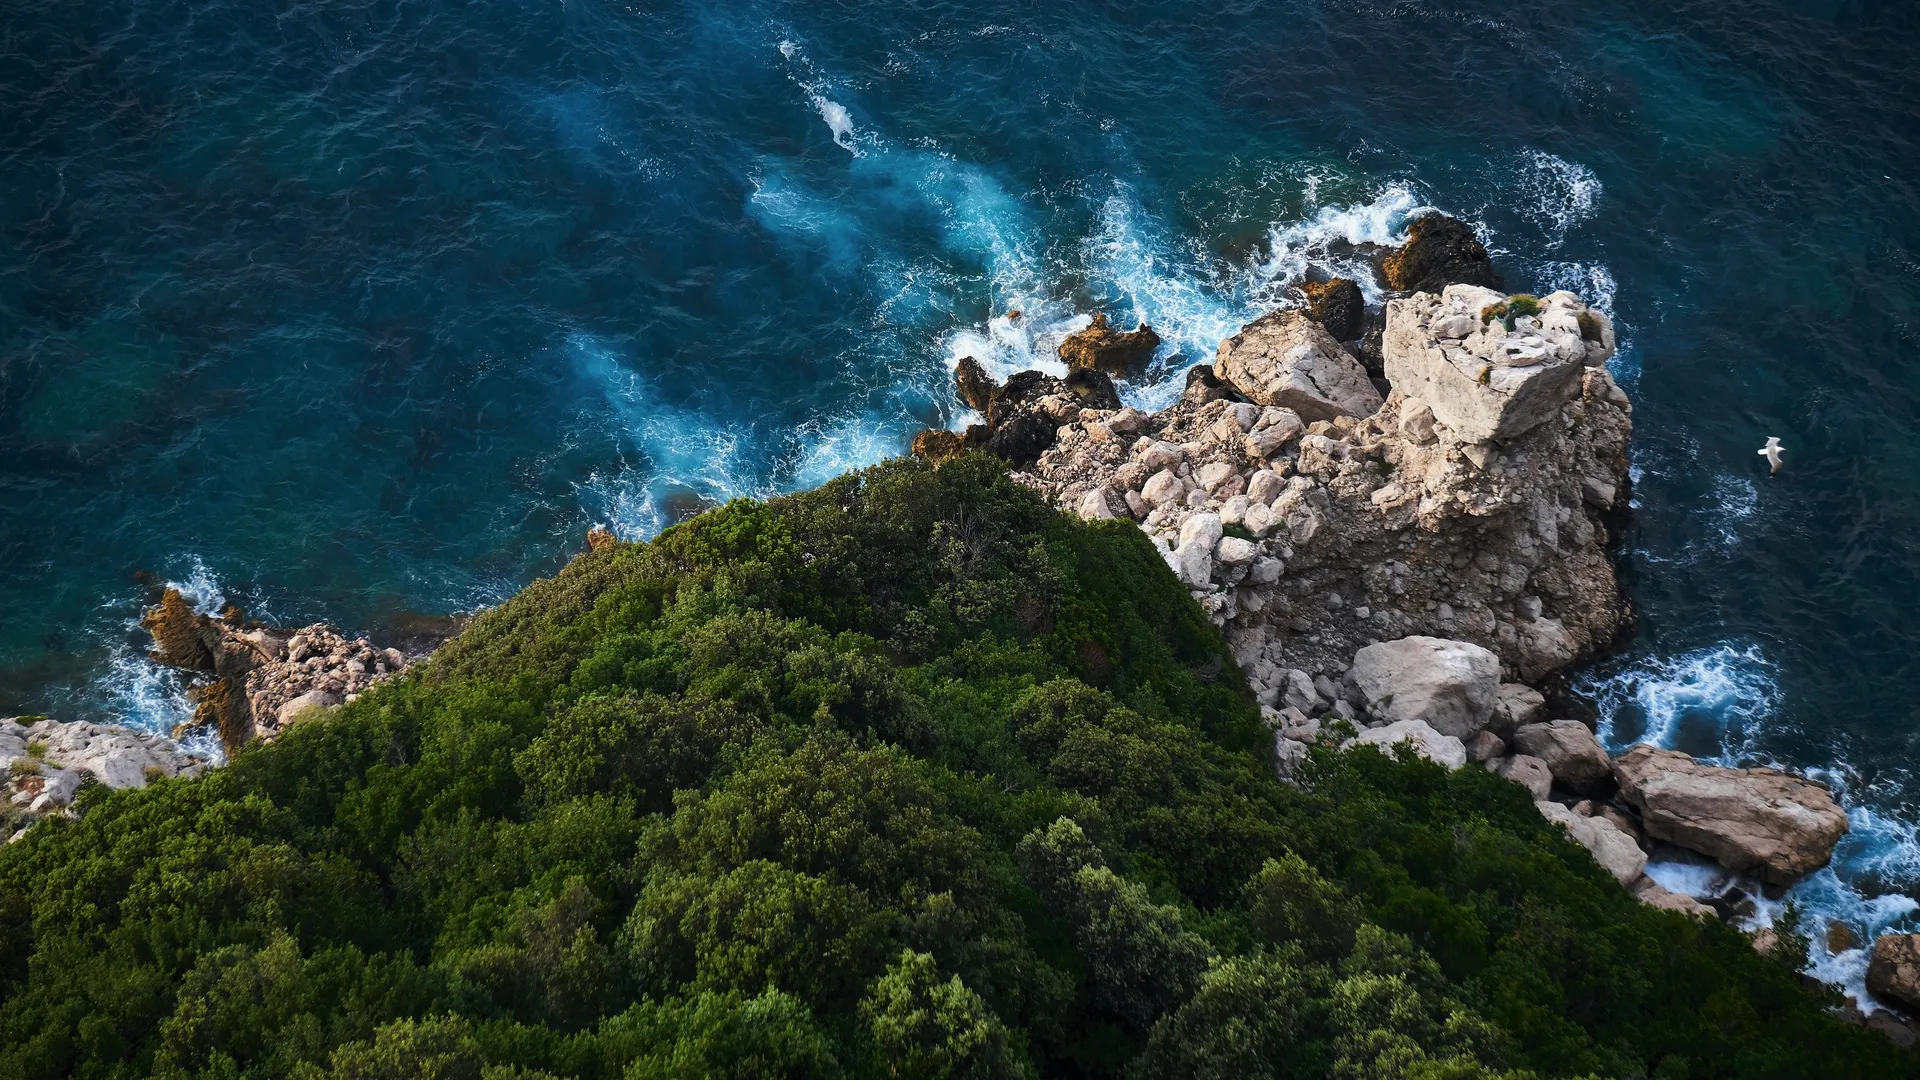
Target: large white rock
(1452, 685)
(1288, 359)
(1570, 751)
(1777, 826)
(1484, 381)
(1428, 743)
(1614, 850)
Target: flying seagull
(1771, 452)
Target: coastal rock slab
(1572, 754)
(1489, 376)
(1763, 821)
(1614, 850)
(1428, 743)
(1452, 685)
(1893, 974)
(1287, 359)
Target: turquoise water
(356, 310)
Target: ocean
(363, 311)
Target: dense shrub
(908, 776)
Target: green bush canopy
(907, 776)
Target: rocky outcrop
(1570, 751)
(1451, 685)
(1337, 305)
(1118, 354)
(248, 681)
(1492, 366)
(1287, 359)
(1372, 529)
(1614, 850)
(1440, 251)
(44, 763)
(1777, 826)
(1893, 973)
(976, 387)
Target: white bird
(1771, 452)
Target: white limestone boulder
(1452, 685)
(1486, 374)
(1287, 359)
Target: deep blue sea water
(347, 310)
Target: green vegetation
(908, 776)
(1513, 307)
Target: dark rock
(1022, 439)
(1092, 389)
(1336, 305)
(1371, 351)
(1204, 386)
(1120, 354)
(1440, 251)
(1840, 937)
(975, 385)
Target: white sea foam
(1558, 194)
(838, 120)
(681, 451)
(1725, 692)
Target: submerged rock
(1440, 251)
(1119, 354)
(1777, 826)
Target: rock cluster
(1306, 539)
(44, 763)
(1893, 973)
(249, 681)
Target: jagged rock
(1653, 894)
(1614, 850)
(1336, 305)
(1490, 377)
(1021, 438)
(975, 386)
(1777, 826)
(1573, 755)
(1527, 771)
(1516, 705)
(1440, 251)
(1120, 354)
(600, 537)
(1428, 743)
(1893, 973)
(937, 446)
(1286, 359)
(1449, 684)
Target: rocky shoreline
(1403, 530)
